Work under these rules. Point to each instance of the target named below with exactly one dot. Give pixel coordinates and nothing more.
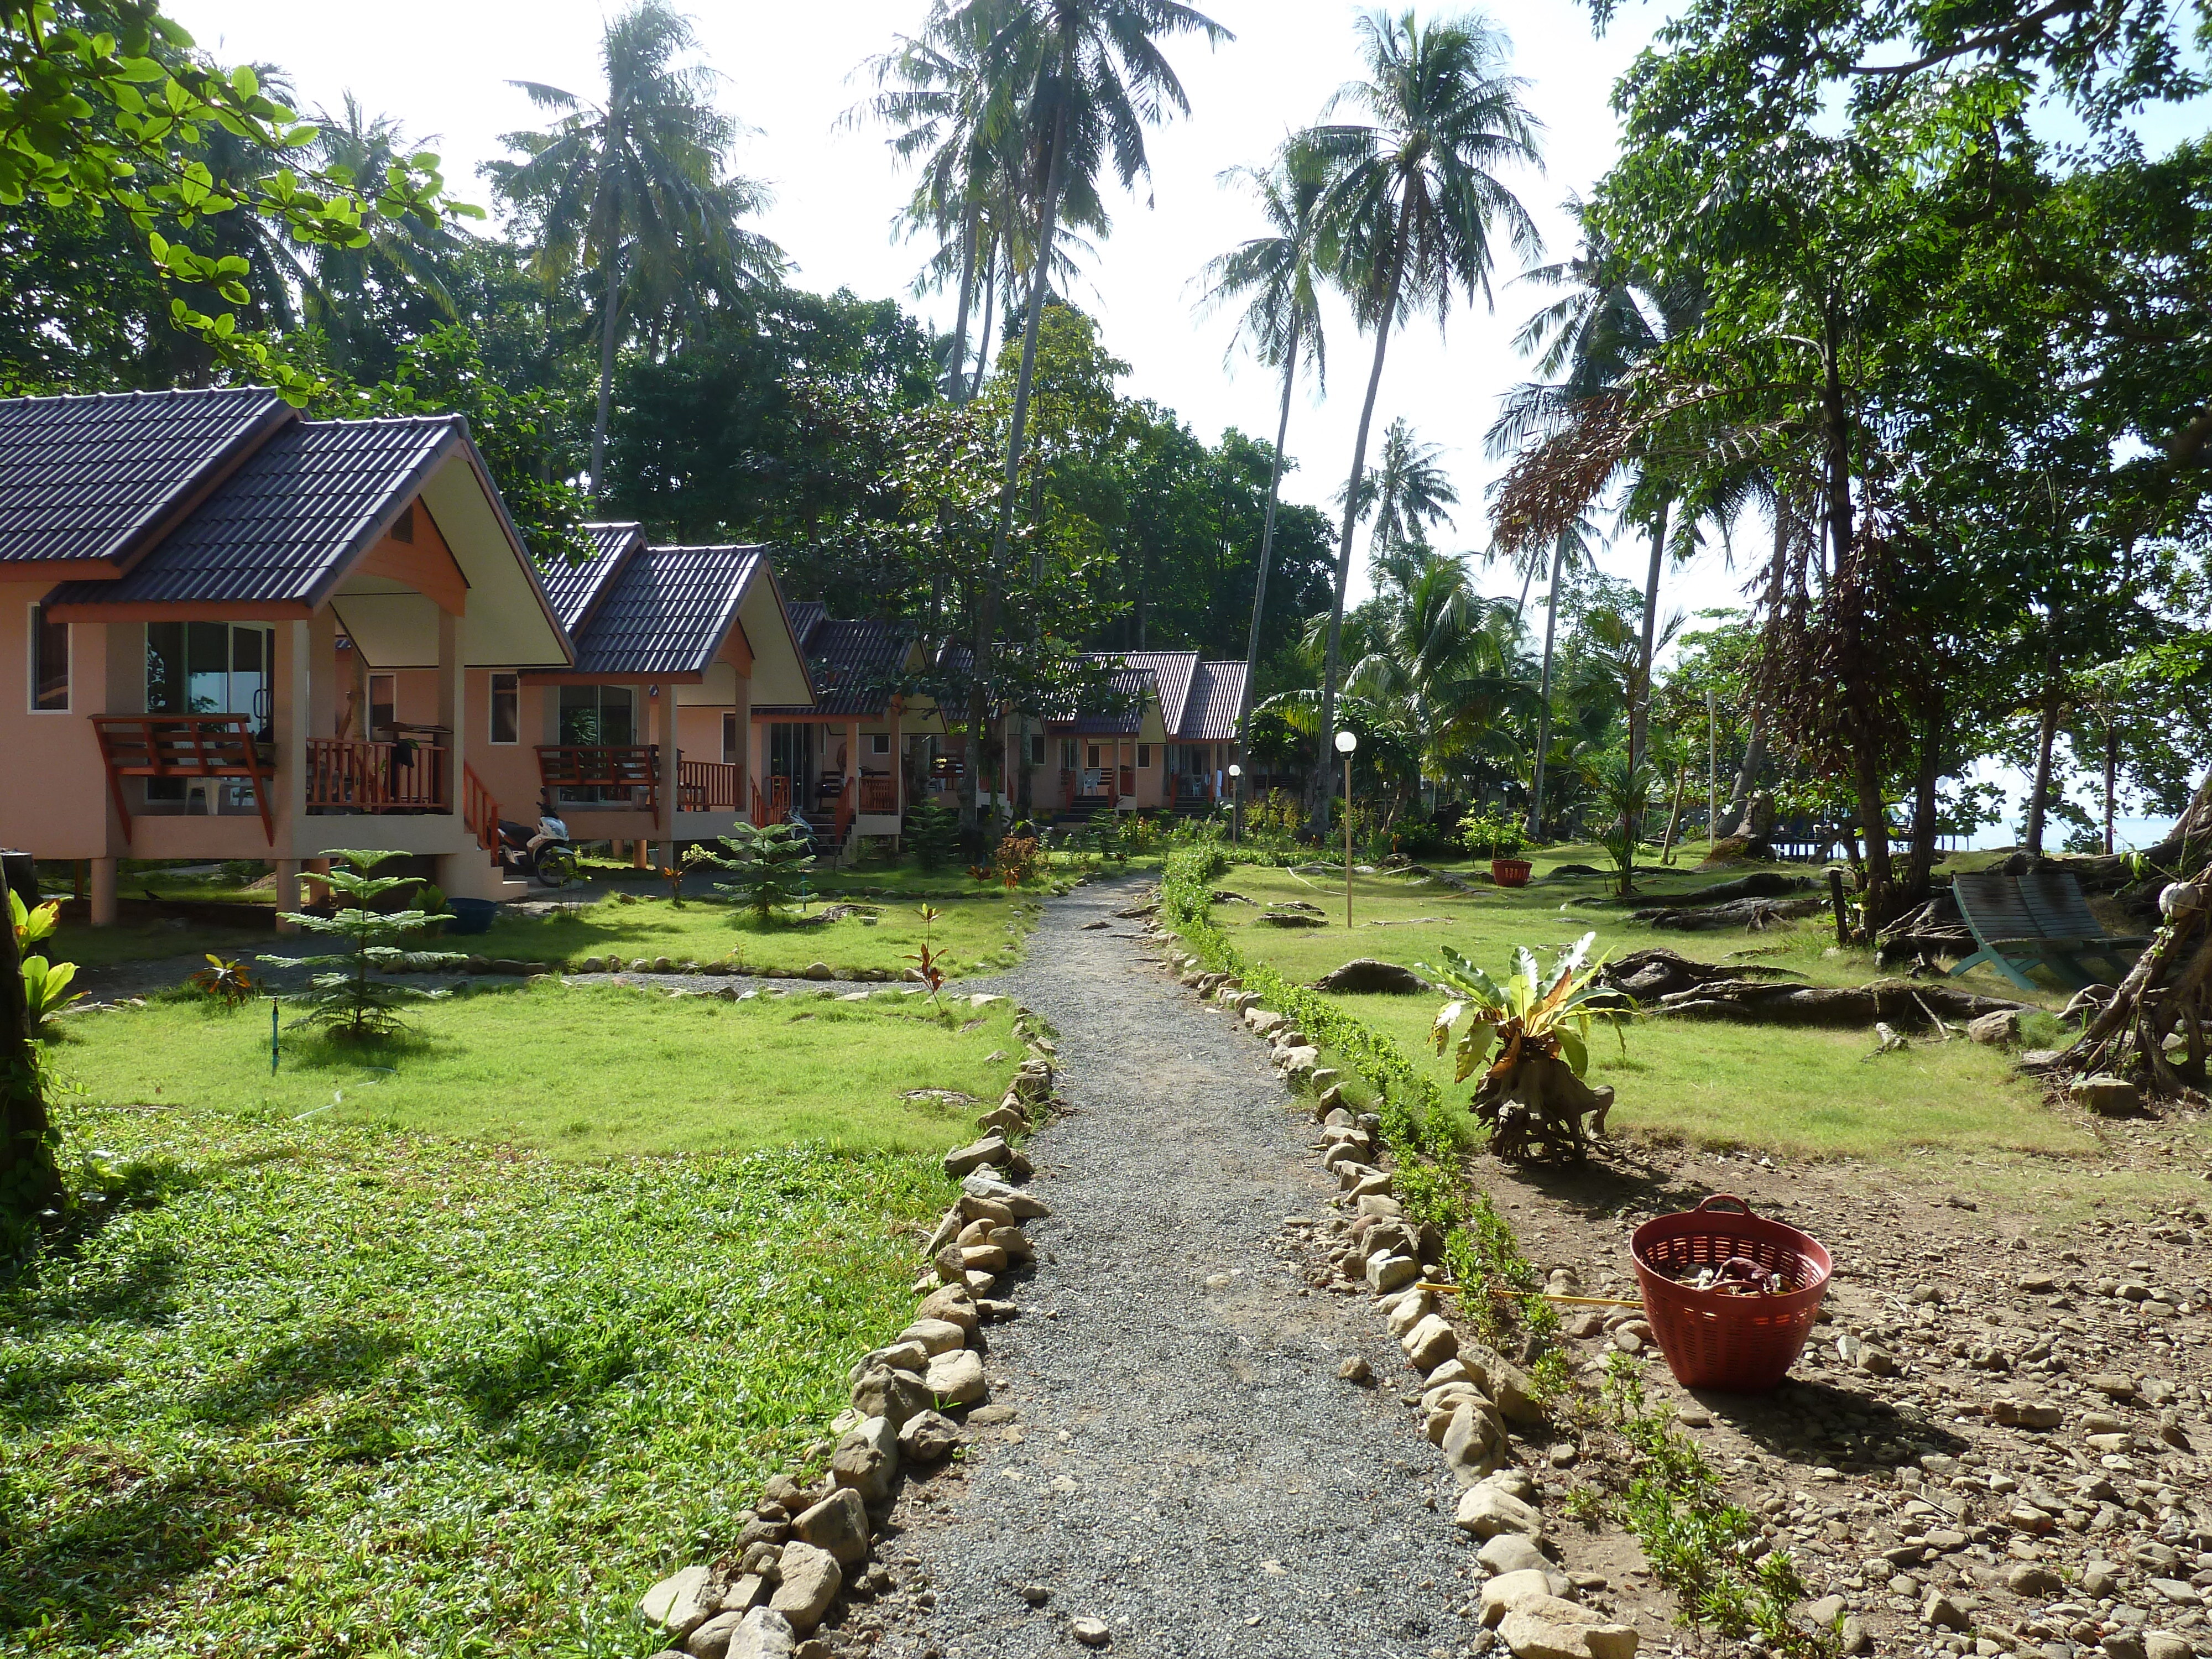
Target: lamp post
(1346, 743)
(1236, 802)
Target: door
(211, 668)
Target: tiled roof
(572, 588)
(853, 662)
(806, 616)
(667, 611)
(88, 478)
(1210, 716)
(1127, 690)
(1172, 671)
(282, 527)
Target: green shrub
(932, 835)
(349, 997)
(770, 862)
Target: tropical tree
(1413, 197)
(1571, 546)
(1280, 276)
(1088, 77)
(1409, 494)
(633, 187)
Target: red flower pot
(1509, 873)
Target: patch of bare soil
(1997, 1440)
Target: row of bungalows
(241, 634)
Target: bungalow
(643, 736)
(1163, 740)
(851, 759)
(234, 628)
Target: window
(729, 737)
(879, 743)
(592, 716)
(1068, 754)
(1093, 762)
(505, 708)
(50, 662)
(1143, 756)
(1033, 748)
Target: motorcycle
(544, 853)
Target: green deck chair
(2022, 920)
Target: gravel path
(1183, 1460)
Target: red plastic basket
(1714, 1339)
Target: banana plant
(45, 984)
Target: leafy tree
(352, 998)
(1412, 197)
(634, 188)
(770, 864)
(932, 835)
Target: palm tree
(1410, 494)
(1569, 545)
(1412, 198)
(1610, 318)
(634, 186)
(1282, 273)
(1087, 77)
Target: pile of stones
(805, 1545)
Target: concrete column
(322, 673)
(663, 699)
(452, 702)
(103, 893)
(291, 714)
(288, 891)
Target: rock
(763, 1633)
(1995, 1030)
(839, 1524)
(2112, 1384)
(712, 1639)
(928, 1438)
(1356, 1370)
(1824, 1613)
(1508, 1384)
(895, 1395)
(2164, 1644)
(2031, 1578)
(2107, 1095)
(952, 1304)
(1485, 1510)
(956, 1378)
(2100, 1579)
(1430, 1343)
(1939, 1612)
(935, 1335)
(1409, 1309)
(1366, 976)
(1556, 1630)
(992, 1149)
(2026, 1414)
(1471, 1440)
(2179, 1591)
(1856, 1637)
(812, 1578)
(1515, 1592)
(1391, 1273)
(1091, 1632)
(867, 1460)
(681, 1602)
(1511, 1552)
(2123, 1644)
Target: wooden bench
(2020, 921)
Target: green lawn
(577, 1071)
(1804, 1093)
(328, 1389)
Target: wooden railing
(344, 777)
(848, 802)
(772, 805)
(707, 785)
(878, 793)
(479, 812)
(182, 746)
(632, 768)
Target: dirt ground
(1901, 1465)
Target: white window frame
(491, 709)
(879, 743)
(31, 665)
(1144, 757)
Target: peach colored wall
(699, 731)
(509, 770)
(54, 802)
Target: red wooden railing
(707, 785)
(772, 805)
(635, 768)
(878, 793)
(479, 812)
(848, 802)
(182, 746)
(344, 776)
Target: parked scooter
(544, 853)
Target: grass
(579, 1072)
(321, 1388)
(1796, 1092)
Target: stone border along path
(1181, 1457)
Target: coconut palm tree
(1410, 494)
(1571, 546)
(1280, 276)
(634, 187)
(1609, 319)
(1413, 198)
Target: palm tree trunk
(1639, 713)
(1317, 806)
(1746, 778)
(1048, 219)
(1266, 552)
(1528, 575)
(990, 305)
(1544, 697)
(611, 305)
(956, 374)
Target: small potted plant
(1504, 839)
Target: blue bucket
(469, 915)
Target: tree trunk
(2111, 778)
(611, 305)
(1544, 697)
(2046, 741)
(1259, 581)
(1639, 713)
(1385, 314)
(990, 307)
(1920, 868)
(29, 1182)
(1746, 779)
(956, 376)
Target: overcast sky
(444, 69)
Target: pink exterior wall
(54, 802)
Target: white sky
(787, 66)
